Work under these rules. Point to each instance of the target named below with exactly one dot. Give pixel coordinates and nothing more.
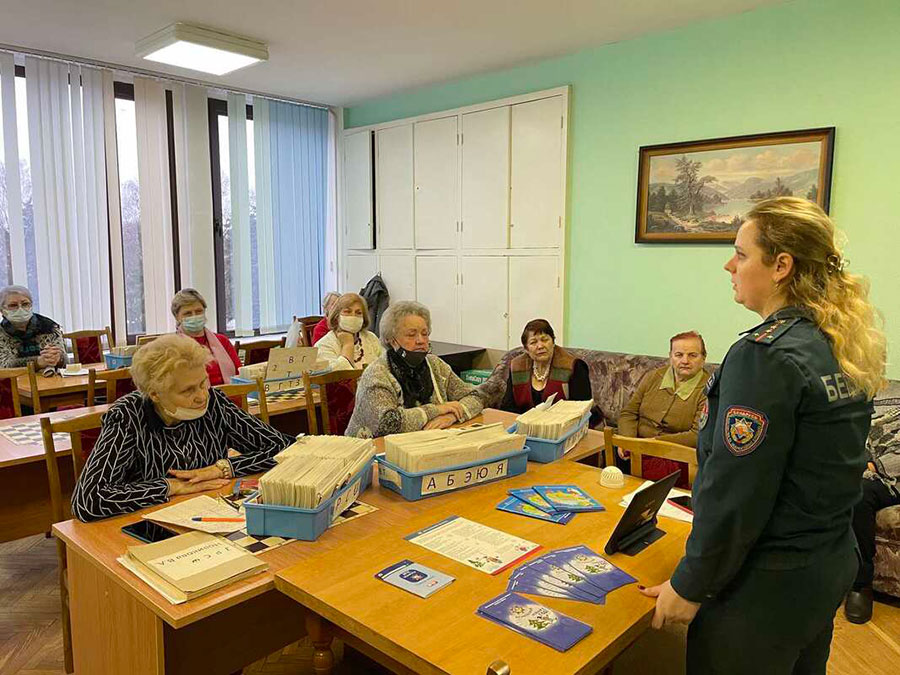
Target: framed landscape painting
(700, 191)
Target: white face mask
(187, 414)
(351, 324)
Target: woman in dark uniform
(781, 451)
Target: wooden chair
(35, 392)
(87, 345)
(258, 350)
(239, 393)
(638, 447)
(10, 402)
(75, 427)
(116, 382)
(144, 339)
(308, 324)
(321, 383)
(77, 399)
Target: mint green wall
(807, 63)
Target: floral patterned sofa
(615, 376)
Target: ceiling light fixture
(204, 49)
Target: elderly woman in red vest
(544, 369)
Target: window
(129, 191)
(24, 178)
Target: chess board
(257, 544)
(29, 433)
(292, 395)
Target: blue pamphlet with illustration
(568, 498)
(582, 561)
(514, 505)
(535, 620)
(417, 579)
(533, 498)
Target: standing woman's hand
(670, 607)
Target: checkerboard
(29, 433)
(292, 395)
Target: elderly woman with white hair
(189, 310)
(408, 389)
(170, 437)
(26, 336)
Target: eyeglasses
(13, 306)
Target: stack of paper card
(312, 469)
(573, 573)
(441, 448)
(554, 421)
(535, 621)
(527, 502)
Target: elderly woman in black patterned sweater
(406, 388)
(28, 337)
(170, 437)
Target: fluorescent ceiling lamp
(203, 49)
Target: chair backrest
(308, 324)
(258, 350)
(76, 428)
(87, 345)
(10, 403)
(144, 339)
(239, 393)
(116, 383)
(35, 392)
(638, 447)
(342, 383)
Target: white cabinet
(485, 179)
(537, 174)
(436, 174)
(399, 275)
(436, 278)
(483, 298)
(534, 293)
(358, 190)
(394, 186)
(360, 268)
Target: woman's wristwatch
(225, 467)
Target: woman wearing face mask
(781, 449)
(170, 437)
(28, 337)
(408, 389)
(349, 345)
(189, 310)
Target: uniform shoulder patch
(704, 413)
(769, 332)
(745, 429)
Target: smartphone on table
(683, 502)
(148, 531)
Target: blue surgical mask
(18, 316)
(194, 324)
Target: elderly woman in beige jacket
(349, 344)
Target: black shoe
(858, 605)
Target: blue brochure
(415, 578)
(533, 498)
(581, 560)
(568, 498)
(535, 620)
(514, 505)
(536, 582)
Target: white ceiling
(343, 52)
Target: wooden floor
(31, 641)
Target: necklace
(358, 351)
(539, 376)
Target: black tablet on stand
(636, 529)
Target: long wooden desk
(443, 634)
(121, 625)
(57, 390)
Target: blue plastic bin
(116, 361)
(307, 524)
(410, 485)
(544, 451)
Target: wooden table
(154, 636)
(443, 634)
(458, 357)
(57, 390)
(25, 507)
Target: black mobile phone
(683, 501)
(148, 531)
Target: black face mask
(412, 359)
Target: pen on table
(205, 519)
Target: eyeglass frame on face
(25, 304)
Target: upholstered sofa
(615, 376)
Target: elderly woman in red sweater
(189, 310)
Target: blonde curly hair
(838, 300)
(156, 363)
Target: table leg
(321, 635)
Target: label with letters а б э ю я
(460, 478)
